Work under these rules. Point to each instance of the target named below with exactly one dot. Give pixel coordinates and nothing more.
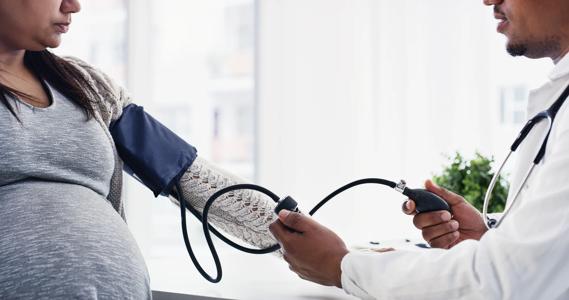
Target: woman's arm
(244, 214)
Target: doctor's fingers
(283, 234)
(445, 241)
(450, 197)
(433, 232)
(428, 219)
(297, 221)
(409, 207)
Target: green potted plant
(471, 178)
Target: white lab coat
(527, 257)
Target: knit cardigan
(244, 214)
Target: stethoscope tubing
(548, 115)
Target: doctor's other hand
(443, 230)
(311, 250)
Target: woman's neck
(11, 61)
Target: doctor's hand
(443, 230)
(312, 251)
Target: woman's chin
(43, 44)
(52, 42)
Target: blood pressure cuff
(151, 153)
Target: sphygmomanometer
(158, 158)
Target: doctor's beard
(538, 49)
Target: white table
(245, 276)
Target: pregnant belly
(64, 240)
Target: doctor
(523, 258)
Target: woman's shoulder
(100, 79)
(110, 94)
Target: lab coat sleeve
(525, 258)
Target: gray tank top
(59, 236)
(54, 144)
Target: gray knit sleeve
(244, 214)
(111, 96)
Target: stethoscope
(546, 115)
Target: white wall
(356, 88)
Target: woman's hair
(60, 74)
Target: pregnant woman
(62, 228)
